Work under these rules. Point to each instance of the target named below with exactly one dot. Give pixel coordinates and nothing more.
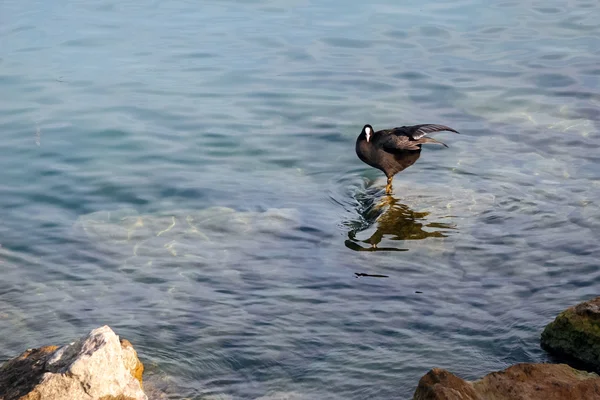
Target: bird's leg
(388, 187)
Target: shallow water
(154, 112)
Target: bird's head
(367, 132)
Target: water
(185, 173)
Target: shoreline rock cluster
(101, 366)
(525, 381)
(574, 336)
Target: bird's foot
(388, 187)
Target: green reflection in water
(394, 221)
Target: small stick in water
(359, 274)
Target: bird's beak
(368, 137)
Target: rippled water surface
(185, 173)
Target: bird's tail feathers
(431, 140)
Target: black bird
(393, 150)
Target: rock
(439, 384)
(575, 334)
(131, 360)
(518, 382)
(96, 367)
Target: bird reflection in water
(393, 219)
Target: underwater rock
(519, 382)
(282, 396)
(202, 234)
(575, 333)
(96, 367)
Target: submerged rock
(199, 235)
(96, 367)
(575, 333)
(518, 382)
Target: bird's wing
(391, 142)
(418, 131)
(411, 137)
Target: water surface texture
(185, 173)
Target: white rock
(92, 368)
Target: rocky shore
(573, 336)
(101, 366)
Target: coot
(393, 150)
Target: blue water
(121, 122)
